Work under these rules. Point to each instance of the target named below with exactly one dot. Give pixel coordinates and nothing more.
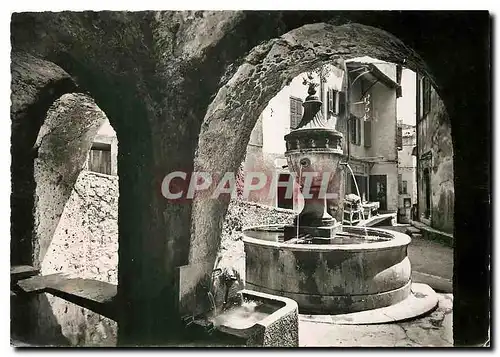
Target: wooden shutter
(358, 131)
(399, 138)
(342, 106)
(329, 101)
(295, 111)
(100, 159)
(368, 133)
(427, 96)
(352, 129)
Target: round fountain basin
(360, 269)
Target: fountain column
(313, 153)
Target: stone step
(410, 230)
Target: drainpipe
(348, 105)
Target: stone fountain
(324, 266)
(313, 149)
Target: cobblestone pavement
(431, 262)
(433, 330)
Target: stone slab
(378, 220)
(92, 294)
(194, 280)
(38, 284)
(422, 300)
(19, 272)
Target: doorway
(378, 190)
(283, 200)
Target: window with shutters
(400, 183)
(405, 187)
(399, 138)
(295, 111)
(424, 96)
(99, 159)
(333, 100)
(355, 130)
(352, 129)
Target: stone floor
(432, 330)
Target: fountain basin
(349, 273)
(260, 320)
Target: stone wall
(85, 245)
(435, 153)
(241, 215)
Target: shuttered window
(399, 138)
(295, 111)
(333, 100)
(425, 96)
(100, 158)
(405, 187)
(368, 133)
(355, 130)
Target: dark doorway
(362, 182)
(378, 190)
(283, 200)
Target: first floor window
(99, 159)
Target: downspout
(348, 105)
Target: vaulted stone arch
(154, 74)
(264, 72)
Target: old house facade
(407, 169)
(369, 134)
(435, 159)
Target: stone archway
(154, 76)
(230, 118)
(265, 71)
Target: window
(355, 130)
(295, 112)
(333, 100)
(425, 96)
(283, 193)
(99, 159)
(399, 138)
(400, 180)
(405, 187)
(362, 182)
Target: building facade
(407, 171)
(369, 128)
(434, 159)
